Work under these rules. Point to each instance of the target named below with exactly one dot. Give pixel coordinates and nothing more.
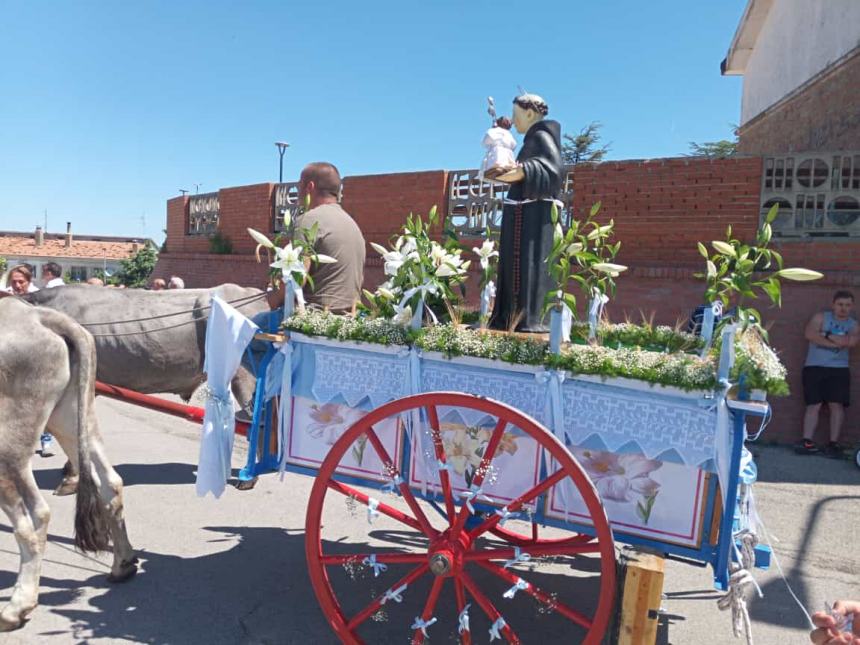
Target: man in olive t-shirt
(336, 286)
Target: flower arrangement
(420, 271)
(736, 272)
(584, 255)
(657, 355)
(292, 261)
(465, 447)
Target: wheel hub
(440, 564)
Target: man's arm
(813, 332)
(852, 338)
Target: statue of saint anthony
(527, 230)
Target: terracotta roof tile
(56, 248)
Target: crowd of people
(21, 279)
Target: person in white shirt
(52, 274)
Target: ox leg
(68, 442)
(29, 515)
(124, 564)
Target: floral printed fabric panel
(641, 496)
(616, 419)
(513, 470)
(317, 426)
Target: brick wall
(822, 115)
(661, 208)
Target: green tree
(585, 146)
(2, 264)
(135, 270)
(715, 149)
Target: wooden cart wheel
(451, 549)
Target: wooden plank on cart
(641, 596)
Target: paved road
(233, 570)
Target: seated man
(337, 286)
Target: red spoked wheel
(373, 592)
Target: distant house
(79, 255)
(800, 60)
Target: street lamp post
(282, 148)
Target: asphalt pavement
(233, 570)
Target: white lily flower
(609, 267)
(385, 293)
(403, 317)
(573, 249)
(437, 253)
(260, 239)
(289, 260)
(324, 259)
(379, 248)
(799, 275)
(486, 252)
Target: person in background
(159, 284)
(96, 282)
(175, 282)
(826, 377)
(21, 280)
(52, 274)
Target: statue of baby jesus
(500, 144)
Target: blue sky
(109, 108)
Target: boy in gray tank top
(826, 377)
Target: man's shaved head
(325, 176)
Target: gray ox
(47, 376)
(169, 358)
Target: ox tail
(92, 526)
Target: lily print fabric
(641, 496)
(317, 426)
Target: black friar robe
(526, 235)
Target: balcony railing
(818, 194)
(204, 212)
(475, 205)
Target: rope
(245, 301)
(735, 599)
(248, 300)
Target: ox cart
(449, 489)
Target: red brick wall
(380, 203)
(822, 115)
(661, 208)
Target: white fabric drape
(228, 333)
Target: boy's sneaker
(834, 450)
(806, 447)
(47, 444)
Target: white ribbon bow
(423, 289)
(494, 630)
(463, 619)
(393, 594)
(441, 465)
(474, 492)
(393, 485)
(378, 567)
(372, 513)
(422, 624)
(521, 585)
(519, 556)
(595, 311)
(506, 515)
(487, 294)
(709, 319)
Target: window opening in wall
(812, 173)
(846, 173)
(843, 211)
(78, 274)
(785, 219)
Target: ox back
(170, 357)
